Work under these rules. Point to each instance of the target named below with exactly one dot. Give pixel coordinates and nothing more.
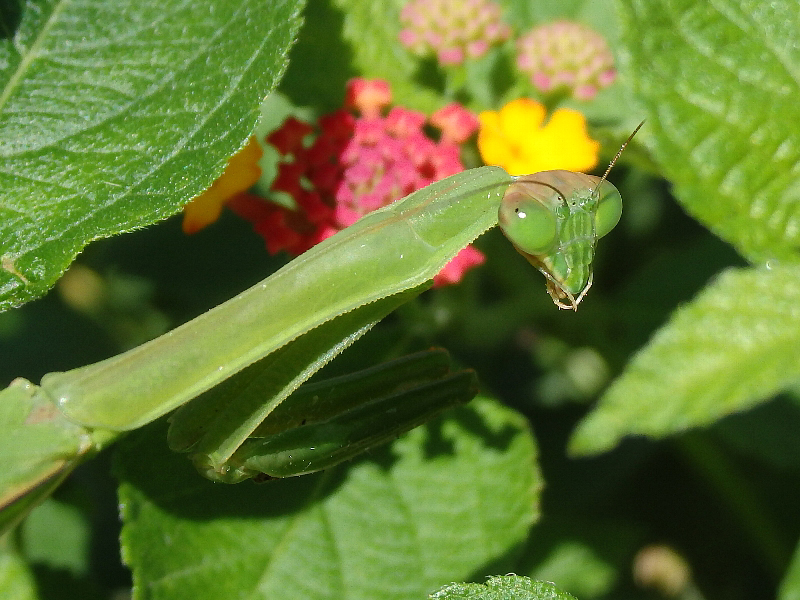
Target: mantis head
(554, 219)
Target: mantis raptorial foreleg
(217, 422)
(334, 420)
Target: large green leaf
(443, 503)
(114, 114)
(733, 346)
(720, 81)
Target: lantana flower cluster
(556, 57)
(566, 56)
(356, 164)
(452, 30)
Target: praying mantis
(234, 374)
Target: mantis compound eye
(530, 224)
(609, 209)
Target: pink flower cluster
(452, 29)
(355, 165)
(566, 56)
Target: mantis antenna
(619, 153)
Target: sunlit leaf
(502, 588)
(115, 114)
(733, 346)
(412, 517)
(720, 81)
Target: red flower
(355, 165)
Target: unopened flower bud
(452, 30)
(566, 56)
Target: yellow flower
(241, 174)
(515, 139)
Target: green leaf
(115, 114)
(767, 433)
(733, 346)
(502, 588)
(720, 82)
(425, 511)
(580, 553)
(790, 586)
(576, 565)
(57, 534)
(16, 579)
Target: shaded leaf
(418, 514)
(790, 586)
(767, 433)
(581, 554)
(733, 346)
(16, 579)
(57, 534)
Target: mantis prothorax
(554, 219)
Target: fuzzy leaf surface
(113, 115)
(720, 81)
(502, 588)
(733, 346)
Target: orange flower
(516, 139)
(241, 174)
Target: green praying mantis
(235, 373)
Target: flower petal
(241, 174)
